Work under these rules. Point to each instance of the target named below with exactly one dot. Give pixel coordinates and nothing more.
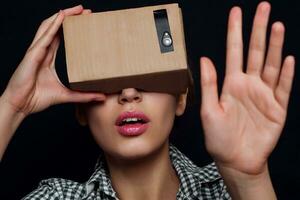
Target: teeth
(130, 120)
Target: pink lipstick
(132, 123)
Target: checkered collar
(191, 176)
(101, 179)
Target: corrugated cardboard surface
(113, 50)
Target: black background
(52, 144)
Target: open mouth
(131, 118)
(132, 123)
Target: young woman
(241, 127)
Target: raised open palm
(243, 125)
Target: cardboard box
(110, 51)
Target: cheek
(101, 120)
(163, 114)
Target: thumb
(209, 88)
(70, 96)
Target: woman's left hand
(243, 126)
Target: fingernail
(278, 26)
(79, 6)
(59, 12)
(203, 60)
(265, 7)
(291, 58)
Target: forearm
(9, 122)
(248, 187)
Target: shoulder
(206, 182)
(198, 182)
(184, 165)
(57, 188)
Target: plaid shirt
(195, 183)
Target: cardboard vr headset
(141, 48)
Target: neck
(152, 177)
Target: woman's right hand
(34, 85)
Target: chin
(133, 149)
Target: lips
(132, 123)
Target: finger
(273, 62)
(46, 23)
(41, 46)
(54, 45)
(86, 11)
(209, 89)
(283, 90)
(36, 54)
(74, 10)
(52, 51)
(43, 27)
(257, 44)
(70, 96)
(234, 56)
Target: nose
(129, 95)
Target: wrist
(9, 111)
(10, 119)
(248, 186)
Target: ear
(181, 104)
(80, 115)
